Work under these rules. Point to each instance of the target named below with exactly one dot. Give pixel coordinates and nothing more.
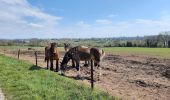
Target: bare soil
(126, 76)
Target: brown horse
(67, 47)
(52, 53)
(79, 53)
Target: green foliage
(23, 81)
(160, 40)
(129, 44)
(169, 44)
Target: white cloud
(112, 15)
(82, 24)
(20, 17)
(103, 21)
(36, 25)
(108, 28)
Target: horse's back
(83, 49)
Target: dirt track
(126, 76)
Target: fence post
(18, 53)
(36, 58)
(4, 51)
(92, 84)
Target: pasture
(154, 52)
(24, 81)
(129, 73)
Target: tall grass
(23, 81)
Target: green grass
(20, 80)
(156, 52)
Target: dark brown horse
(79, 53)
(67, 47)
(52, 53)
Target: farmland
(21, 80)
(154, 52)
(130, 73)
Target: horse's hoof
(62, 74)
(78, 77)
(86, 65)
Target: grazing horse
(52, 53)
(67, 47)
(79, 53)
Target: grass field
(23, 81)
(156, 52)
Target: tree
(164, 37)
(129, 44)
(169, 44)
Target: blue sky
(83, 18)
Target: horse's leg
(78, 68)
(86, 63)
(51, 61)
(100, 70)
(47, 63)
(57, 66)
(73, 63)
(99, 74)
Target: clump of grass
(23, 81)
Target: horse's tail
(45, 59)
(103, 54)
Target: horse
(79, 53)
(67, 47)
(52, 53)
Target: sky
(82, 18)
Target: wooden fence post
(92, 84)
(4, 51)
(36, 58)
(18, 53)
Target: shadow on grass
(75, 77)
(34, 67)
(79, 78)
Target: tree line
(162, 40)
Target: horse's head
(98, 55)
(66, 59)
(67, 46)
(53, 47)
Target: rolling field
(128, 73)
(23, 81)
